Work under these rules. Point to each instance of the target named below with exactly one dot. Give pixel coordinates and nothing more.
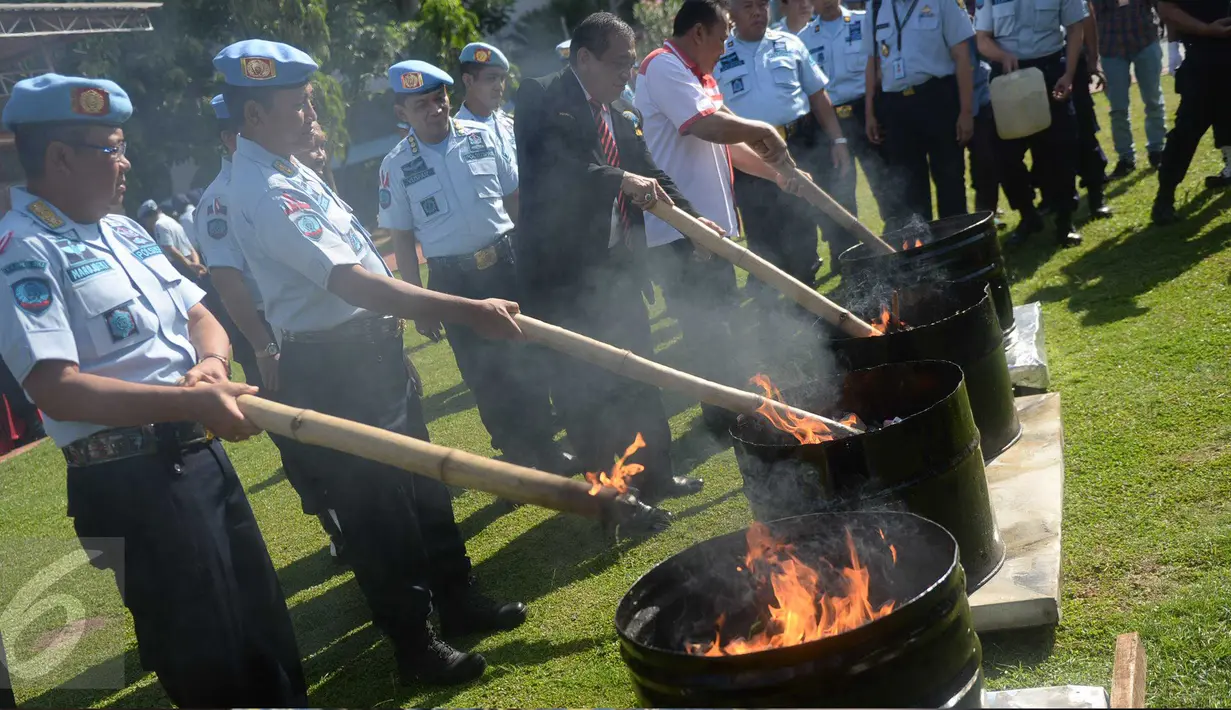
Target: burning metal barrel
(830, 610)
(920, 454)
(959, 326)
(962, 250)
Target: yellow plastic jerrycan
(1020, 101)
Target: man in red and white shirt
(699, 144)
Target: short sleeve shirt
(501, 125)
(101, 295)
(170, 233)
(219, 250)
(770, 80)
(450, 195)
(922, 52)
(837, 48)
(1029, 29)
(672, 94)
(294, 231)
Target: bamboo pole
(792, 287)
(821, 200)
(450, 466)
(635, 367)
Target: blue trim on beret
(483, 53)
(54, 98)
(416, 77)
(258, 62)
(220, 108)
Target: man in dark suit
(586, 174)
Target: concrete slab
(1026, 484)
(1060, 696)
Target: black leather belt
(485, 258)
(128, 442)
(796, 127)
(359, 330)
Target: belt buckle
(845, 111)
(910, 91)
(486, 258)
(781, 131)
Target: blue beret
(416, 77)
(562, 49)
(52, 98)
(481, 53)
(147, 208)
(220, 108)
(258, 62)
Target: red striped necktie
(612, 154)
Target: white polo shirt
(672, 94)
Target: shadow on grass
(1104, 283)
(1006, 651)
(275, 477)
(80, 697)
(457, 398)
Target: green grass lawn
(1138, 335)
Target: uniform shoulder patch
(285, 168)
(43, 212)
(216, 207)
(385, 198)
(33, 295)
(24, 265)
(309, 225)
(293, 201)
(217, 228)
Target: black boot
(1123, 168)
(1163, 212)
(465, 611)
(1098, 205)
(430, 660)
(1031, 224)
(1065, 234)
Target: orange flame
(881, 325)
(807, 431)
(907, 245)
(620, 472)
(805, 612)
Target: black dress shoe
(1163, 213)
(1031, 224)
(473, 613)
(431, 660)
(1098, 205)
(677, 487)
(1156, 159)
(1123, 168)
(1066, 236)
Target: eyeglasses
(116, 151)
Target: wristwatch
(270, 350)
(839, 141)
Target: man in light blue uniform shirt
(769, 76)
(795, 16)
(834, 38)
(1048, 35)
(450, 188)
(131, 370)
(485, 73)
(917, 57)
(336, 309)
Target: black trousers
(920, 131)
(514, 400)
(703, 298)
(401, 539)
(6, 684)
(841, 188)
(210, 617)
(1091, 160)
(603, 412)
(871, 158)
(984, 175)
(1204, 102)
(1053, 150)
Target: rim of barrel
(862, 252)
(771, 655)
(968, 304)
(911, 364)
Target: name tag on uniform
(729, 61)
(899, 69)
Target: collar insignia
(45, 214)
(284, 167)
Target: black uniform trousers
(984, 175)
(6, 684)
(871, 158)
(780, 227)
(514, 400)
(1204, 102)
(401, 539)
(702, 296)
(603, 412)
(920, 129)
(210, 617)
(1091, 160)
(1053, 150)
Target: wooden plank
(1128, 675)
